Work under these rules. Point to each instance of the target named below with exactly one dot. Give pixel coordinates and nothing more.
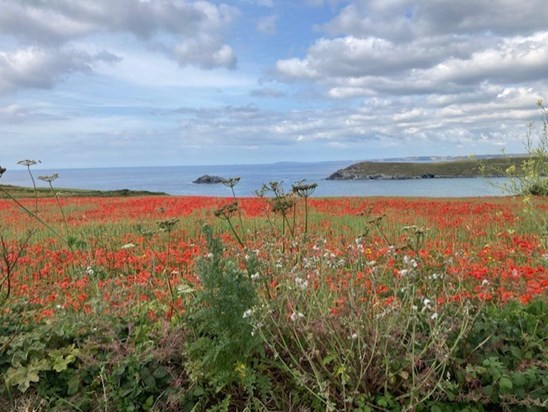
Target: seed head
(49, 178)
(167, 225)
(28, 162)
(282, 204)
(227, 211)
(231, 182)
(304, 190)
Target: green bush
(504, 361)
(223, 352)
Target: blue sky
(177, 82)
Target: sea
(178, 180)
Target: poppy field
(282, 302)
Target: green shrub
(504, 363)
(223, 352)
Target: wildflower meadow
(283, 302)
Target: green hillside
(412, 170)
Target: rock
(209, 179)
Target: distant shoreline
(469, 168)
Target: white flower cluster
(409, 266)
(301, 283)
(426, 306)
(296, 315)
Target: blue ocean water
(177, 180)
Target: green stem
(65, 223)
(235, 233)
(35, 190)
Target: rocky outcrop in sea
(207, 179)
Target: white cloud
(40, 68)
(407, 47)
(407, 20)
(263, 3)
(206, 52)
(49, 35)
(395, 120)
(267, 24)
(64, 20)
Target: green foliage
(504, 358)
(67, 362)
(223, 352)
(531, 176)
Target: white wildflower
(128, 246)
(89, 270)
(434, 316)
(296, 315)
(301, 283)
(255, 276)
(247, 313)
(485, 283)
(354, 336)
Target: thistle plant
(28, 163)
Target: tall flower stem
(28, 163)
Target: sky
(108, 83)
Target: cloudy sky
(181, 82)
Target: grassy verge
(28, 192)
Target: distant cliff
(426, 170)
